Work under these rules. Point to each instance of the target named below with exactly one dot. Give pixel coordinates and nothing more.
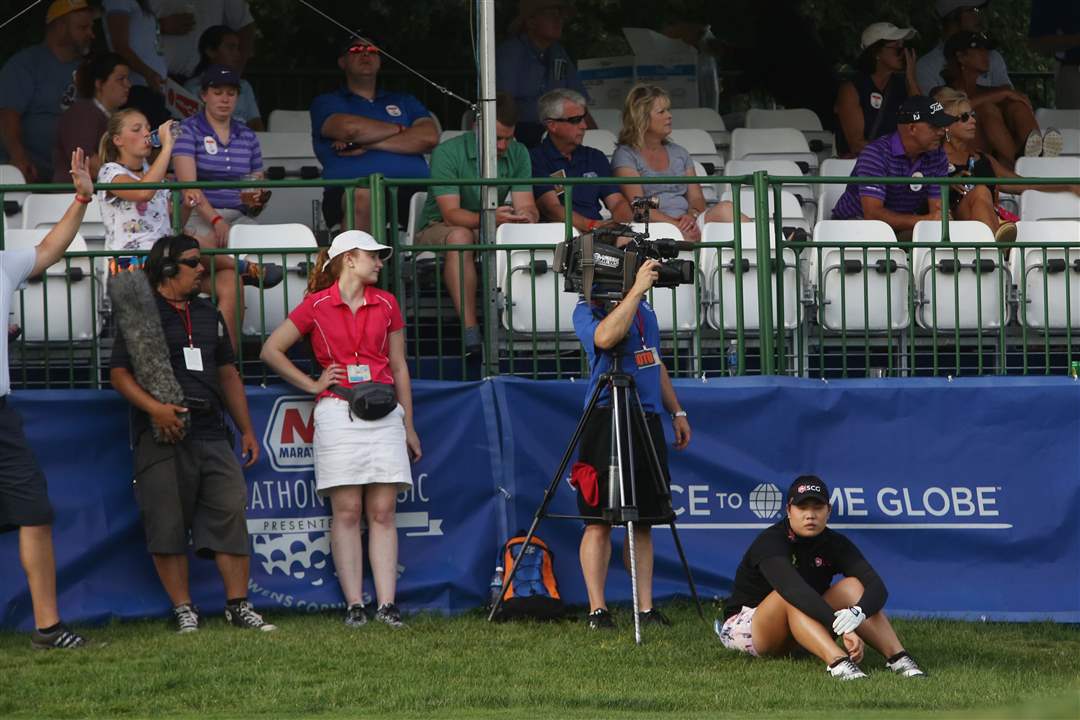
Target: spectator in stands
(980, 202)
(183, 23)
(1055, 30)
(601, 332)
(216, 146)
(1007, 125)
(188, 483)
(913, 150)
(220, 45)
(451, 215)
(360, 129)
(37, 84)
(132, 32)
(103, 89)
(959, 16)
(644, 150)
(866, 105)
(561, 154)
(531, 62)
(784, 598)
(24, 500)
(361, 463)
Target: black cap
(919, 108)
(219, 76)
(807, 487)
(966, 41)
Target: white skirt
(359, 452)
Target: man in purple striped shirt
(914, 151)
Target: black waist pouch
(369, 400)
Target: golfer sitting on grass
(782, 598)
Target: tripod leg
(620, 416)
(686, 569)
(549, 494)
(633, 580)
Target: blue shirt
(216, 160)
(399, 108)
(886, 157)
(547, 161)
(39, 88)
(587, 317)
(527, 73)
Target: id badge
(193, 359)
(646, 358)
(359, 373)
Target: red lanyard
(641, 327)
(185, 318)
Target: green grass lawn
(462, 667)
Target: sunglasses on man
(360, 49)
(572, 120)
(190, 262)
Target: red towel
(583, 477)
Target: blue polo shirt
(587, 317)
(886, 157)
(217, 160)
(400, 108)
(547, 161)
(527, 73)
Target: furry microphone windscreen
(136, 314)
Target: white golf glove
(848, 619)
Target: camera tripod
(620, 505)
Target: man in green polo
(451, 215)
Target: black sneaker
(356, 616)
(267, 274)
(59, 639)
(390, 615)
(654, 617)
(600, 619)
(186, 617)
(243, 615)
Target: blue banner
(963, 493)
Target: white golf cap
(944, 7)
(356, 240)
(885, 31)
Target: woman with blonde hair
(979, 202)
(644, 150)
(362, 450)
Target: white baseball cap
(885, 31)
(355, 240)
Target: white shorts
(359, 452)
(736, 634)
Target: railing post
(764, 269)
(377, 187)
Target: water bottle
(496, 585)
(174, 130)
(732, 357)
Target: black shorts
(23, 496)
(194, 485)
(653, 494)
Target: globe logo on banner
(766, 500)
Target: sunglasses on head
(359, 49)
(965, 116)
(572, 120)
(190, 262)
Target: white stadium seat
(1070, 141)
(952, 290)
(609, 119)
(1040, 205)
(11, 175)
(553, 308)
(791, 212)
(1043, 167)
(722, 276)
(773, 167)
(705, 119)
(860, 291)
(41, 211)
(675, 307)
(1052, 117)
(700, 146)
(451, 134)
(290, 151)
(51, 292)
(289, 121)
(804, 120)
(276, 301)
(828, 194)
(602, 140)
(1048, 280)
(772, 144)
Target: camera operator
(361, 458)
(190, 480)
(602, 333)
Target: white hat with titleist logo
(356, 240)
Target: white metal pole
(488, 160)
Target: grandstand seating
(803, 191)
(701, 148)
(772, 144)
(602, 140)
(43, 210)
(277, 301)
(804, 120)
(534, 297)
(705, 119)
(1059, 167)
(1048, 280)
(675, 307)
(290, 121)
(963, 289)
(1070, 141)
(607, 118)
(859, 290)
(721, 280)
(828, 194)
(791, 211)
(42, 308)
(1039, 205)
(292, 153)
(12, 208)
(1052, 117)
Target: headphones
(169, 268)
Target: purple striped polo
(885, 157)
(215, 160)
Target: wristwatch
(678, 414)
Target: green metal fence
(767, 303)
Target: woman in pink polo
(356, 334)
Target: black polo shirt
(209, 335)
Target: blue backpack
(534, 592)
